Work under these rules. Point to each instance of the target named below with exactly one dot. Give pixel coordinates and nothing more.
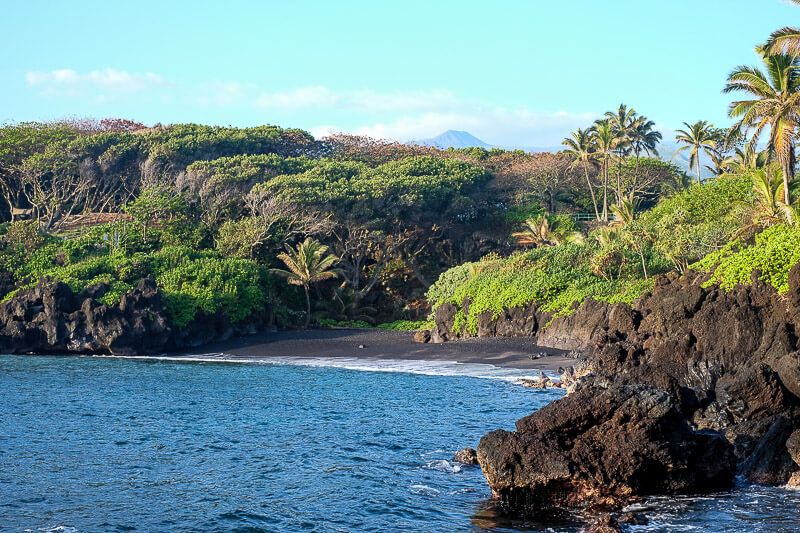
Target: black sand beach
(516, 352)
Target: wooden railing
(582, 217)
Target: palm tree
(605, 143)
(785, 40)
(643, 139)
(747, 158)
(775, 105)
(307, 264)
(580, 145)
(538, 232)
(720, 164)
(622, 122)
(768, 208)
(624, 213)
(698, 137)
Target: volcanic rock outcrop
(678, 393)
(51, 318)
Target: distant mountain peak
(453, 139)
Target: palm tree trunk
(698, 167)
(308, 307)
(591, 191)
(788, 173)
(605, 190)
(644, 263)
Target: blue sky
(518, 73)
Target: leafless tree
(548, 174)
(55, 193)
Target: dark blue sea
(102, 444)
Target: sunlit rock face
(677, 394)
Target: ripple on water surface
(90, 444)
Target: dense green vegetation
(208, 211)
(271, 225)
(769, 258)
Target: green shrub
(211, 285)
(348, 324)
(443, 289)
(693, 222)
(775, 251)
(192, 281)
(406, 325)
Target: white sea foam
(424, 490)
(443, 465)
(422, 367)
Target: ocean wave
(407, 366)
(443, 465)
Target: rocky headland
(51, 318)
(681, 392)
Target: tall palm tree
(774, 105)
(643, 139)
(307, 264)
(622, 122)
(785, 40)
(697, 138)
(605, 143)
(580, 145)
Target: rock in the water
(770, 463)
(793, 446)
(632, 519)
(603, 524)
(603, 447)
(467, 456)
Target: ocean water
(102, 444)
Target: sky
(513, 73)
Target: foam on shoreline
(366, 364)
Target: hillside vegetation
(271, 225)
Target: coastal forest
(272, 227)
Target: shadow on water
(746, 509)
(492, 515)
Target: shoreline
(520, 353)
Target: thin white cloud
(72, 82)
(498, 126)
(409, 115)
(397, 115)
